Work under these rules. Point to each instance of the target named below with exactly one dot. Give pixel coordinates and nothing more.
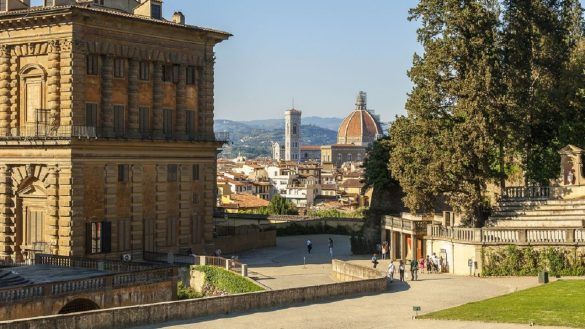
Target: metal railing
(509, 235)
(34, 131)
(46, 132)
(526, 193)
(101, 265)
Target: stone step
(532, 203)
(538, 212)
(539, 217)
(538, 223)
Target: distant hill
(252, 141)
(269, 124)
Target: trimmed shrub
(528, 261)
(222, 281)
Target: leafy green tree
(281, 206)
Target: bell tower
(292, 135)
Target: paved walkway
(282, 267)
(289, 265)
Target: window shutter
(106, 237)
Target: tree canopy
(498, 89)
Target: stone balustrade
(521, 236)
(105, 282)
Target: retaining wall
(343, 271)
(251, 240)
(126, 317)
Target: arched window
(349, 157)
(294, 129)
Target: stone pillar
(161, 207)
(157, 99)
(107, 106)
(78, 65)
(137, 225)
(133, 116)
(4, 90)
(65, 211)
(66, 97)
(209, 199)
(414, 247)
(403, 246)
(52, 224)
(54, 84)
(110, 184)
(206, 91)
(6, 222)
(185, 206)
(78, 219)
(14, 93)
(180, 127)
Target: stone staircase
(538, 214)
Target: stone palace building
(107, 147)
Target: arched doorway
(79, 305)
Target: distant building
(310, 153)
(292, 135)
(277, 151)
(356, 132)
(360, 127)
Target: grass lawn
(561, 303)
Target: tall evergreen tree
(445, 146)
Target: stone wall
(126, 317)
(252, 240)
(127, 296)
(343, 271)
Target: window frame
(144, 71)
(190, 75)
(172, 173)
(93, 107)
(92, 64)
(119, 68)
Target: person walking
(309, 246)
(391, 269)
(374, 260)
(384, 250)
(401, 270)
(413, 270)
(331, 247)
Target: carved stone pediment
(31, 189)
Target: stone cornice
(26, 21)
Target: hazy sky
(321, 52)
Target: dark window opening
(172, 173)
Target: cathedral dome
(360, 127)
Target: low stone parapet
(344, 271)
(126, 317)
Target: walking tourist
(428, 264)
(413, 269)
(401, 270)
(331, 247)
(391, 269)
(309, 246)
(421, 266)
(374, 260)
(384, 250)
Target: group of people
(432, 264)
(310, 246)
